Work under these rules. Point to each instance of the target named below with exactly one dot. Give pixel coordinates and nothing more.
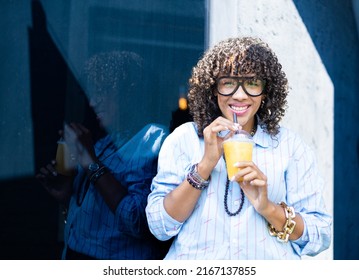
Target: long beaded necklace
(253, 131)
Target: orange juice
(237, 149)
(64, 164)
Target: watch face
(94, 167)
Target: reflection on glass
(44, 51)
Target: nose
(240, 93)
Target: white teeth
(239, 108)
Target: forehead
(238, 75)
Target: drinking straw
(235, 121)
(235, 118)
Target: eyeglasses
(229, 85)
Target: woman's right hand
(213, 143)
(57, 185)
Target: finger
(75, 127)
(243, 164)
(249, 177)
(225, 124)
(246, 174)
(42, 179)
(218, 128)
(222, 129)
(52, 169)
(251, 170)
(44, 171)
(218, 124)
(230, 123)
(69, 132)
(258, 182)
(244, 184)
(79, 128)
(82, 128)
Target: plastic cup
(65, 165)
(237, 148)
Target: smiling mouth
(99, 115)
(240, 109)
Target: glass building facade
(42, 53)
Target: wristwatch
(195, 180)
(95, 170)
(93, 167)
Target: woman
(282, 215)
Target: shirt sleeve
(173, 165)
(305, 193)
(139, 164)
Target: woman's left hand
(254, 184)
(79, 141)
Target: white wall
(310, 101)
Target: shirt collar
(262, 138)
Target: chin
(102, 123)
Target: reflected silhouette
(106, 195)
(56, 95)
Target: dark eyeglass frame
(240, 82)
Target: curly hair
(111, 71)
(238, 56)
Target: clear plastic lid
(241, 135)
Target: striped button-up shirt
(210, 233)
(92, 228)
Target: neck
(251, 126)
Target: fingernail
(236, 164)
(233, 178)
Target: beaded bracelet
(283, 236)
(195, 180)
(94, 177)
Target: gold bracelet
(283, 236)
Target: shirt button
(236, 202)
